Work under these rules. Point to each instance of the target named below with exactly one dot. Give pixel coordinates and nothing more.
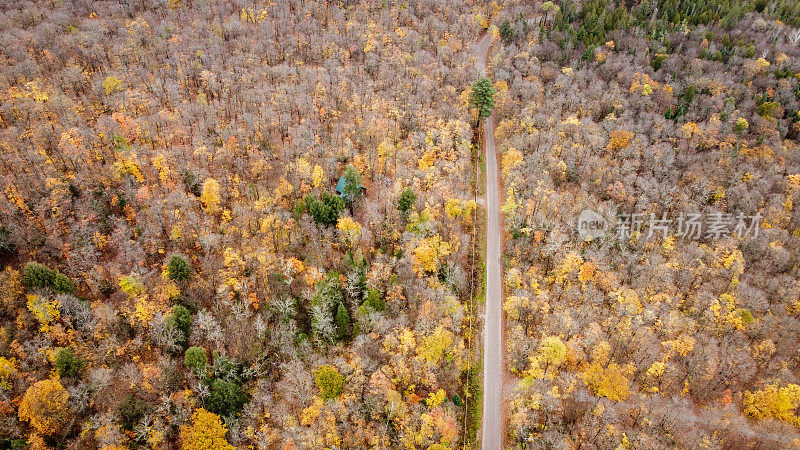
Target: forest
(255, 224)
(651, 338)
(178, 267)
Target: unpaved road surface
(492, 324)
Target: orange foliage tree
(45, 406)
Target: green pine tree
(343, 322)
(482, 97)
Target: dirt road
(492, 325)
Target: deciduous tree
(45, 406)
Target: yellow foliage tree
(572, 263)
(628, 300)
(462, 209)
(10, 287)
(207, 432)
(511, 159)
(433, 347)
(160, 163)
(689, 129)
(734, 262)
(511, 205)
(643, 84)
(127, 163)
(495, 9)
(143, 309)
(45, 311)
(587, 271)
(303, 168)
(682, 346)
(481, 21)
(428, 253)
(553, 351)
(619, 139)
(8, 367)
(773, 402)
(210, 196)
(610, 382)
(436, 398)
(349, 229)
(317, 176)
(111, 84)
(131, 286)
(44, 405)
(516, 305)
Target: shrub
(195, 358)
(329, 381)
(178, 268)
(68, 363)
(38, 275)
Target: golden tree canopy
(207, 432)
(45, 406)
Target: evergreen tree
(195, 359)
(67, 363)
(406, 201)
(343, 322)
(482, 97)
(180, 320)
(178, 268)
(325, 210)
(506, 32)
(352, 185)
(38, 275)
